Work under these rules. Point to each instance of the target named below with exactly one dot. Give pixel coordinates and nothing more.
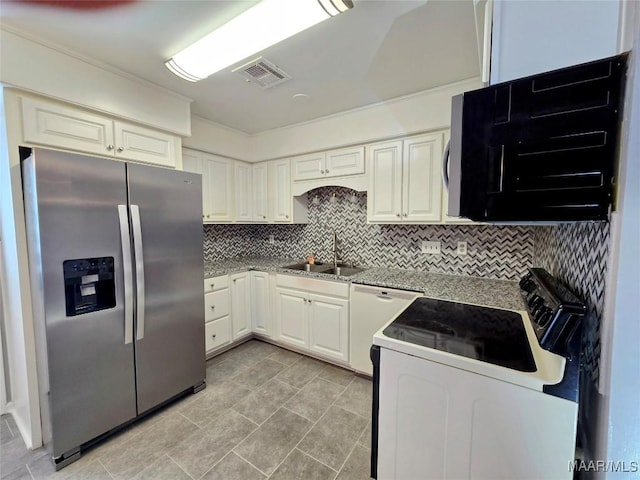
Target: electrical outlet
(430, 248)
(272, 240)
(462, 248)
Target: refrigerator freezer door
(72, 218)
(170, 354)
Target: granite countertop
(481, 291)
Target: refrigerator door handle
(126, 266)
(137, 246)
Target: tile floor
(266, 413)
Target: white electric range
(468, 391)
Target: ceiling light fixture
(254, 30)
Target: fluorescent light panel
(256, 29)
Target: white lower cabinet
(308, 318)
(329, 326)
(217, 327)
(260, 304)
(291, 313)
(240, 286)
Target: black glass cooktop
(485, 334)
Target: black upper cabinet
(543, 147)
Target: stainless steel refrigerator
(116, 266)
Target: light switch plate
(430, 248)
(462, 248)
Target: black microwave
(540, 148)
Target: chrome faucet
(335, 250)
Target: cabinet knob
(264, 217)
(109, 147)
(208, 216)
(322, 172)
(326, 171)
(286, 216)
(404, 214)
(120, 149)
(213, 307)
(202, 216)
(212, 285)
(398, 215)
(213, 336)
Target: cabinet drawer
(217, 333)
(216, 283)
(216, 305)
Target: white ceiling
(378, 50)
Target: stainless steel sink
(317, 267)
(324, 268)
(345, 271)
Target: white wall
(533, 36)
(59, 75)
(212, 137)
(16, 295)
(619, 435)
(423, 111)
(427, 110)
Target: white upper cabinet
(218, 172)
(69, 128)
(384, 198)
(308, 167)
(260, 199)
(344, 161)
(405, 180)
(332, 163)
(144, 145)
(244, 192)
(285, 208)
(421, 178)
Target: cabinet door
(329, 326)
(219, 178)
(144, 145)
(192, 162)
(291, 313)
(308, 167)
(240, 304)
(260, 188)
(260, 305)
(57, 126)
(281, 191)
(422, 179)
(244, 192)
(384, 199)
(346, 161)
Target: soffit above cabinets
(380, 49)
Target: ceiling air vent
(262, 72)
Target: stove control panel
(555, 311)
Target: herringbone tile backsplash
(578, 255)
(503, 252)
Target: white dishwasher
(371, 309)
